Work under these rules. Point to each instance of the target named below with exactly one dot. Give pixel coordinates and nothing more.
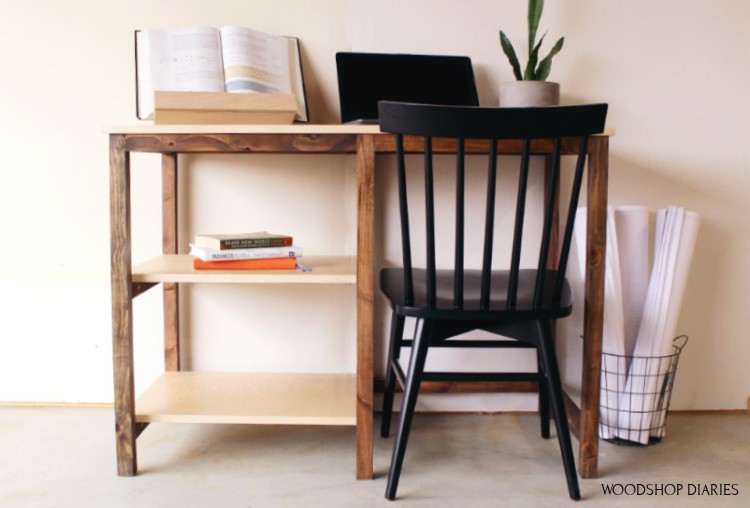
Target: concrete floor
(65, 457)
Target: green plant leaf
(546, 64)
(534, 15)
(530, 73)
(511, 54)
(535, 69)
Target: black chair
(518, 303)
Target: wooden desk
(347, 399)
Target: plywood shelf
(250, 398)
(179, 268)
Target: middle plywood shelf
(179, 268)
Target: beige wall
(674, 73)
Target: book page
(255, 61)
(177, 60)
(143, 81)
(186, 59)
(297, 80)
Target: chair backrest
(556, 127)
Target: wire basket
(635, 395)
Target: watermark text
(671, 489)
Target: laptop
(366, 78)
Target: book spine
(205, 254)
(247, 264)
(255, 243)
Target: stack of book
(246, 251)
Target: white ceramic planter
(519, 94)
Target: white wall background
(674, 73)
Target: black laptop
(366, 78)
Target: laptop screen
(366, 78)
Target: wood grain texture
(594, 305)
(387, 144)
(463, 387)
(574, 416)
(242, 143)
(122, 307)
(171, 295)
(365, 302)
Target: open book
(206, 59)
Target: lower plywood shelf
(250, 398)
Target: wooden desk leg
(169, 246)
(365, 302)
(122, 307)
(594, 306)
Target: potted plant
(530, 87)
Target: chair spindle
(515, 261)
(430, 222)
(549, 216)
(404, 214)
(458, 283)
(570, 219)
(489, 226)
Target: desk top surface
(297, 128)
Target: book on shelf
(207, 254)
(255, 240)
(226, 62)
(247, 264)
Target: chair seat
(392, 286)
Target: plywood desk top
(297, 128)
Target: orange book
(247, 264)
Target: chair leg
(411, 390)
(549, 363)
(394, 351)
(543, 399)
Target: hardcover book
(201, 108)
(255, 240)
(247, 264)
(206, 254)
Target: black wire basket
(635, 395)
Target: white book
(206, 254)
